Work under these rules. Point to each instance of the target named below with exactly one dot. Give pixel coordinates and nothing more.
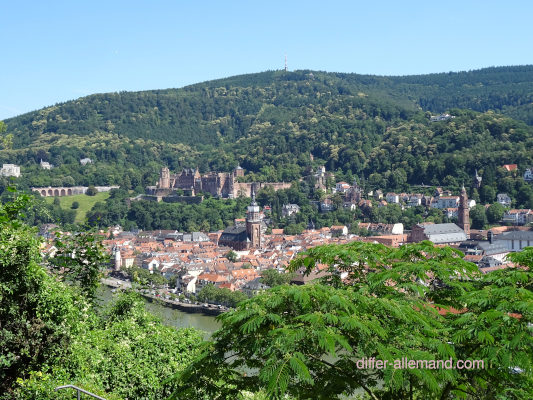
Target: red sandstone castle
(219, 184)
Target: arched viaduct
(69, 191)
(60, 191)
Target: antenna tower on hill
(286, 69)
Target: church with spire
(476, 182)
(244, 238)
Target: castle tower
(464, 213)
(117, 258)
(164, 179)
(253, 224)
(238, 171)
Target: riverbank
(188, 308)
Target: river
(173, 317)
(181, 319)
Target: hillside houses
(504, 199)
(518, 217)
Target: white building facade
(10, 170)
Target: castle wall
(183, 199)
(246, 188)
(218, 184)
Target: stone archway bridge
(69, 191)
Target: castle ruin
(217, 184)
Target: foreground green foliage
(210, 293)
(52, 334)
(305, 341)
(81, 259)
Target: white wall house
(445, 202)
(442, 117)
(289, 209)
(342, 187)
(392, 198)
(528, 175)
(10, 170)
(45, 165)
(519, 217)
(414, 200)
(504, 199)
(451, 213)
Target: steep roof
(234, 234)
(444, 233)
(515, 235)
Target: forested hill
(271, 122)
(225, 108)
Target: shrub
(91, 191)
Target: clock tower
(253, 224)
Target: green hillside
(272, 122)
(86, 203)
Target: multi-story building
(444, 202)
(451, 212)
(392, 198)
(45, 165)
(342, 187)
(518, 217)
(415, 200)
(504, 199)
(10, 170)
(326, 206)
(290, 209)
(514, 240)
(254, 287)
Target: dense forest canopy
(272, 122)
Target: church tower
(253, 224)
(476, 183)
(464, 212)
(117, 258)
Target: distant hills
(271, 122)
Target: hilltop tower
(464, 212)
(164, 178)
(253, 224)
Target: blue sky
(62, 50)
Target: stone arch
(50, 193)
(56, 192)
(69, 192)
(63, 192)
(43, 193)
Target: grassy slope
(86, 203)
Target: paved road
(116, 283)
(182, 306)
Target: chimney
(490, 237)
